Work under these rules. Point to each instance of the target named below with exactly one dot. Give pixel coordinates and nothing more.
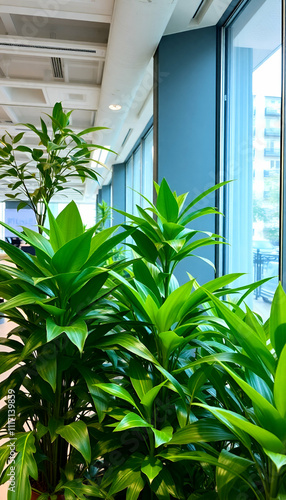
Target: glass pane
(137, 178)
(129, 185)
(147, 174)
(253, 146)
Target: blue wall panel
(186, 120)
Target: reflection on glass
(253, 146)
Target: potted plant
(62, 154)
(58, 299)
(118, 373)
(151, 418)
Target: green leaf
(226, 479)
(18, 137)
(130, 421)
(21, 205)
(123, 479)
(169, 312)
(117, 391)
(203, 195)
(144, 246)
(151, 467)
(23, 260)
(266, 414)
(252, 344)
(47, 369)
(140, 378)
(202, 431)
(143, 274)
(77, 435)
(25, 466)
(38, 241)
(166, 203)
(169, 342)
(134, 490)
(129, 343)
(265, 438)
(23, 149)
(77, 332)
(70, 223)
(5, 451)
(73, 255)
(99, 397)
(148, 397)
(280, 384)
(55, 232)
(25, 298)
(278, 320)
(277, 458)
(163, 436)
(79, 490)
(53, 425)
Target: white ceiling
(104, 49)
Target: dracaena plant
(252, 367)
(59, 302)
(163, 236)
(114, 365)
(164, 325)
(61, 155)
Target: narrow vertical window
(252, 159)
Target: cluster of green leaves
(59, 301)
(129, 385)
(61, 155)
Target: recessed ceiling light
(115, 107)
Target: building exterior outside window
(252, 145)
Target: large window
(139, 174)
(252, 154)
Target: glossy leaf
(70, 223)
(76, 434)
(278, 459)
(117, 391)
(149, 397)
(226, 479)
(163, 436)
(140, 378)
(73, 254)
(25, 466)
(124, 478)
(169, 312)
(202, 431)
(278, 320)
(130, 421)
(267, 415)
(134, 490)
(252, 345)
(280, 384)
(77, 332)
(166, 203)
(265, 438)
(47, 369)
(151, 467)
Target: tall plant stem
(273, 481)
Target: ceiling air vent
(57, 68)
(202, 9)
(126, 137)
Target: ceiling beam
(99, 11)
(8, 24)
(41, 47)
(36, 84)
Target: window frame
(234, 10)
